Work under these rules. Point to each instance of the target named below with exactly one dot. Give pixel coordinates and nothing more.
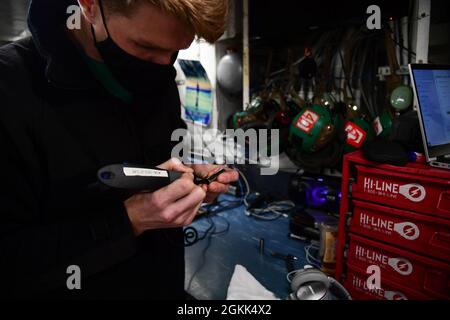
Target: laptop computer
(431, 85)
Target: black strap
(102, 12)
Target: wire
(224, 231)
(190, 236)
(202, 264)
(291, 275)
(273, 211)
(220, 206)
(346, 76)
(241, 188)
(247, 186)
(309, 256)
(209, 234)
(211, 228)
(310, 259)
(401, 46)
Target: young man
(73, 101)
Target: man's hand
(220, 185)
(170, 207)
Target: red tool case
(398, 219)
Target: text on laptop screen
(433, 91)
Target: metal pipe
(246, 57)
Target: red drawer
(356, 284)
(424, 234)
(415, 272)
(417, 193)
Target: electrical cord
(211, 229)
(247, 187)
(277, 209)
(190, 236)
(346, 75)
(225, 230)
(290, 276)
(400, 45)
(310, 257)
(212, 212)
(220, 206)
(273, 211)
(202, 264)
(209, 233)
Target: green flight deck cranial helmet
(358, 132)
(259, 112)
(402, 98)
(242, 117)
(312, 129)
(385, 121)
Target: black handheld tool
(210, 179)
(138, 179)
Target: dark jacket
(58, 126)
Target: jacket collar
(65, 67)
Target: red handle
(444, 198)
(441, 237)
(440, 276)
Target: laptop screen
(432, 87)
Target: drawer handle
(428, 281)
(445, 197)
(441, 240)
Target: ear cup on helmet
(309, 275)
(308, 283)
(339, 290)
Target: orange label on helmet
(307, 121)
(355, 135)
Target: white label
(407, 230)
(355, 135)
(307, 121)
(141, 172)
(377, 126)
(401, 265)
(413, 192)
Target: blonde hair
(206, 18)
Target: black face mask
(136, 75)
